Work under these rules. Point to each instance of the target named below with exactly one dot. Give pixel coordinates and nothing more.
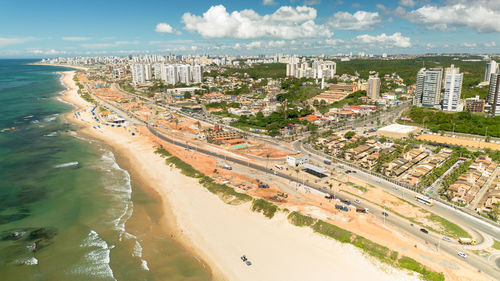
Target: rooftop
(398, 128)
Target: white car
(463, 255)
(356, 201)
(446, 239)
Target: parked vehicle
(342, 208)
(424, 230)
(283, 194)
(385, 214)
(462, 254)
(466, 241)
(330, 196)
(362, 210)
(281, 167)
(357, 201)
(346, 201)
(263, 185)
(244, 258)
(227, 167)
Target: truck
(227, 167)
(342, 208)
(263, 185)
(361, 210)
(466, 241)
(281, 167)
(283, 194)
(329, 196)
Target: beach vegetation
(299, 219)
(376, 250)
(226, 193)
(264, 206)
(413, 265)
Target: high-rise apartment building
(452, 89)
(318, 69)
(491, 67)
(373, 88)
(493, 98)
(428, 89)
(138, 75)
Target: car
(249, 263)
(357, 201)
(385, 214)
(379, 181)
(243, 258)
(446, 239)
(424, 230)
(353, 172)
(462, 254)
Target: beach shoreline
(220, 233)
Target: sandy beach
(219, 233)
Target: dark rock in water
(14, 235)
(13, 217)
(43, 233)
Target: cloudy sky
(34, 28)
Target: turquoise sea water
(65, 203)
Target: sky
(50, 28)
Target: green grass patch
(332, 231)
(299, 219)
(413, 265)
(163, 152)
(226, 193)
(496, 244)
(374, 249)
(264, 206)
(362, 188)
(185, 168)
(450, 229)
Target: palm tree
(267, 156)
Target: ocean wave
(27, 261)
(50, 118)
(27, 116)
(69, 164)
(53, 134)
(96, 260)
(119, 183)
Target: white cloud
(408, 3)
(164, 28)
(11, 41)
(490, 44)
(383, 40)
(75, 38)
(285, 23)
(469, 45)
(45, 52)
(334, 42)
(312, 2)
(107, 45)
(480, 15)
(360, 20)
(268, 2)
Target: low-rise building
(298, 159)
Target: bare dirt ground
(459, 141)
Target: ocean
(68, 210)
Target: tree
(187, 95)
(349, 134)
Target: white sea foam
(50, 118)
(69, 164)
(121, 190)
(53, 134)
(28, 116)
(27, 261)
(96, 261)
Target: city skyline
(237, 28)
